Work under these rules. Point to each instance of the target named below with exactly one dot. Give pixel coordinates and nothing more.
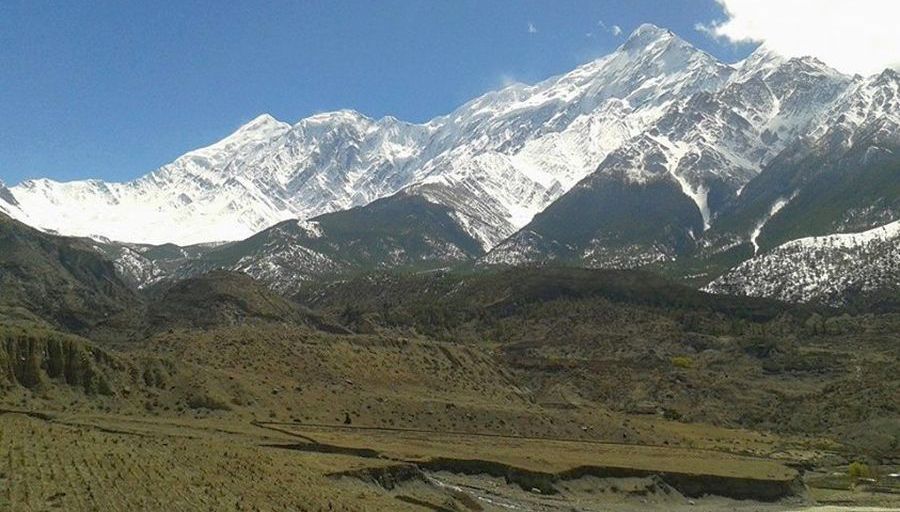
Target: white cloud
(854, 36)
(531, 28)
(615, 30)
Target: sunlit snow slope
(496, 161)
(825, 269)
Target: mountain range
(655, 155)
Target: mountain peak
(261, 128)
(261, 122)
(765, 52)
(762, 56)
(649, 30)
(646, 35)
(342, 115)
(889, 74)
(761, 62)
(264, 118)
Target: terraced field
(124, 463)
(48, 465)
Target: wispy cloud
(615, 30)
(506, 80)
(531, 28)
(857, 37)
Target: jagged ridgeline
(709, 166)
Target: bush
(858, 470)
(206, 401)
(682, 362)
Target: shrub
(682, 362)
(858, 470)
(206, 401)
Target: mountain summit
(646, 35)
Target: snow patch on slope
(825, 269)
(773, 210)
(698, 194)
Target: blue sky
(114, 89)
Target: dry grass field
(122, 463)
(110, 466)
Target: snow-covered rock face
(527, 145)
(194, 199)
(824, 269)
(498, 159)
(857, 135)
(712, 144)
(7, 200)
(709, 144)
(870, 107)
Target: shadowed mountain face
(399, 231)
(61, 281)
(224, 299)
(66, 284)
(605, 222)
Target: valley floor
(537, 390)
(110, 462)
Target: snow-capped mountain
(840, 177)
(870, 107)
(650, 154)
(193, 199)
(827, 269)
(496, 161)
(527, 145)
(652, 198)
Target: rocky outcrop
(35, 360)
